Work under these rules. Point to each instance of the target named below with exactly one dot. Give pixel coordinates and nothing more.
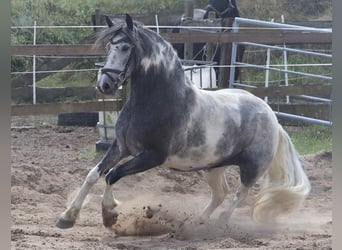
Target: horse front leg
(109, 214)
(140, 163)
(112, 157)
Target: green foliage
(298, 10)
(78, 12)
(68, 13)
(312, 9)
(311, 139)
(94, 154)
(296, 62)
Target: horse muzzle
(108, 82)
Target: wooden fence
(57, 108)
(266, 37)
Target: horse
(222, 9)
(167, 122)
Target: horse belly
(191, 162)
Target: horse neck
(158, 84)
(159, 76)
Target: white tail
(285, 185)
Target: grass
(296, 62)
(78, 79)
(311, 139)
(94, 154)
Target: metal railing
(265, 24)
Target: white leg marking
(69, 216)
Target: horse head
(120, 47)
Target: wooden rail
(270, 37)
(51, 94)
(57, 49)
(266, 37)
(57, 108)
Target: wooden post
(225, 59)
(97, 18)
(188, 47)
(210, 46)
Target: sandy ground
(159, 207)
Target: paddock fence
(47, 96)
(327, 102)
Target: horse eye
(125, 48)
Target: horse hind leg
(249, 173)
(239, 197)
(219, 189)
(285, 185)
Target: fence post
(235, 28)
(97, 18)
(285, 64)
(34, 63)
(267, 71)
(188, 47)
(224, 60)
(210, 46)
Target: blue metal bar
(240, 20)
(303, 119)
(287, 49)
(312, 98)
(282, 70)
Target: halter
(121, 77)
(121, 73)
(221, 13)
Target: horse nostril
(106, 86)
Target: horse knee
(112, 176)
(93, 175)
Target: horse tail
(285, 184)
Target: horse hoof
(64, 224)
(109, 218)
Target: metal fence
(272, 25)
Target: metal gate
(264, 24)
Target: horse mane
(104, 35)
(155, 50)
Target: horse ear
(109, 21)
(129, 22)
